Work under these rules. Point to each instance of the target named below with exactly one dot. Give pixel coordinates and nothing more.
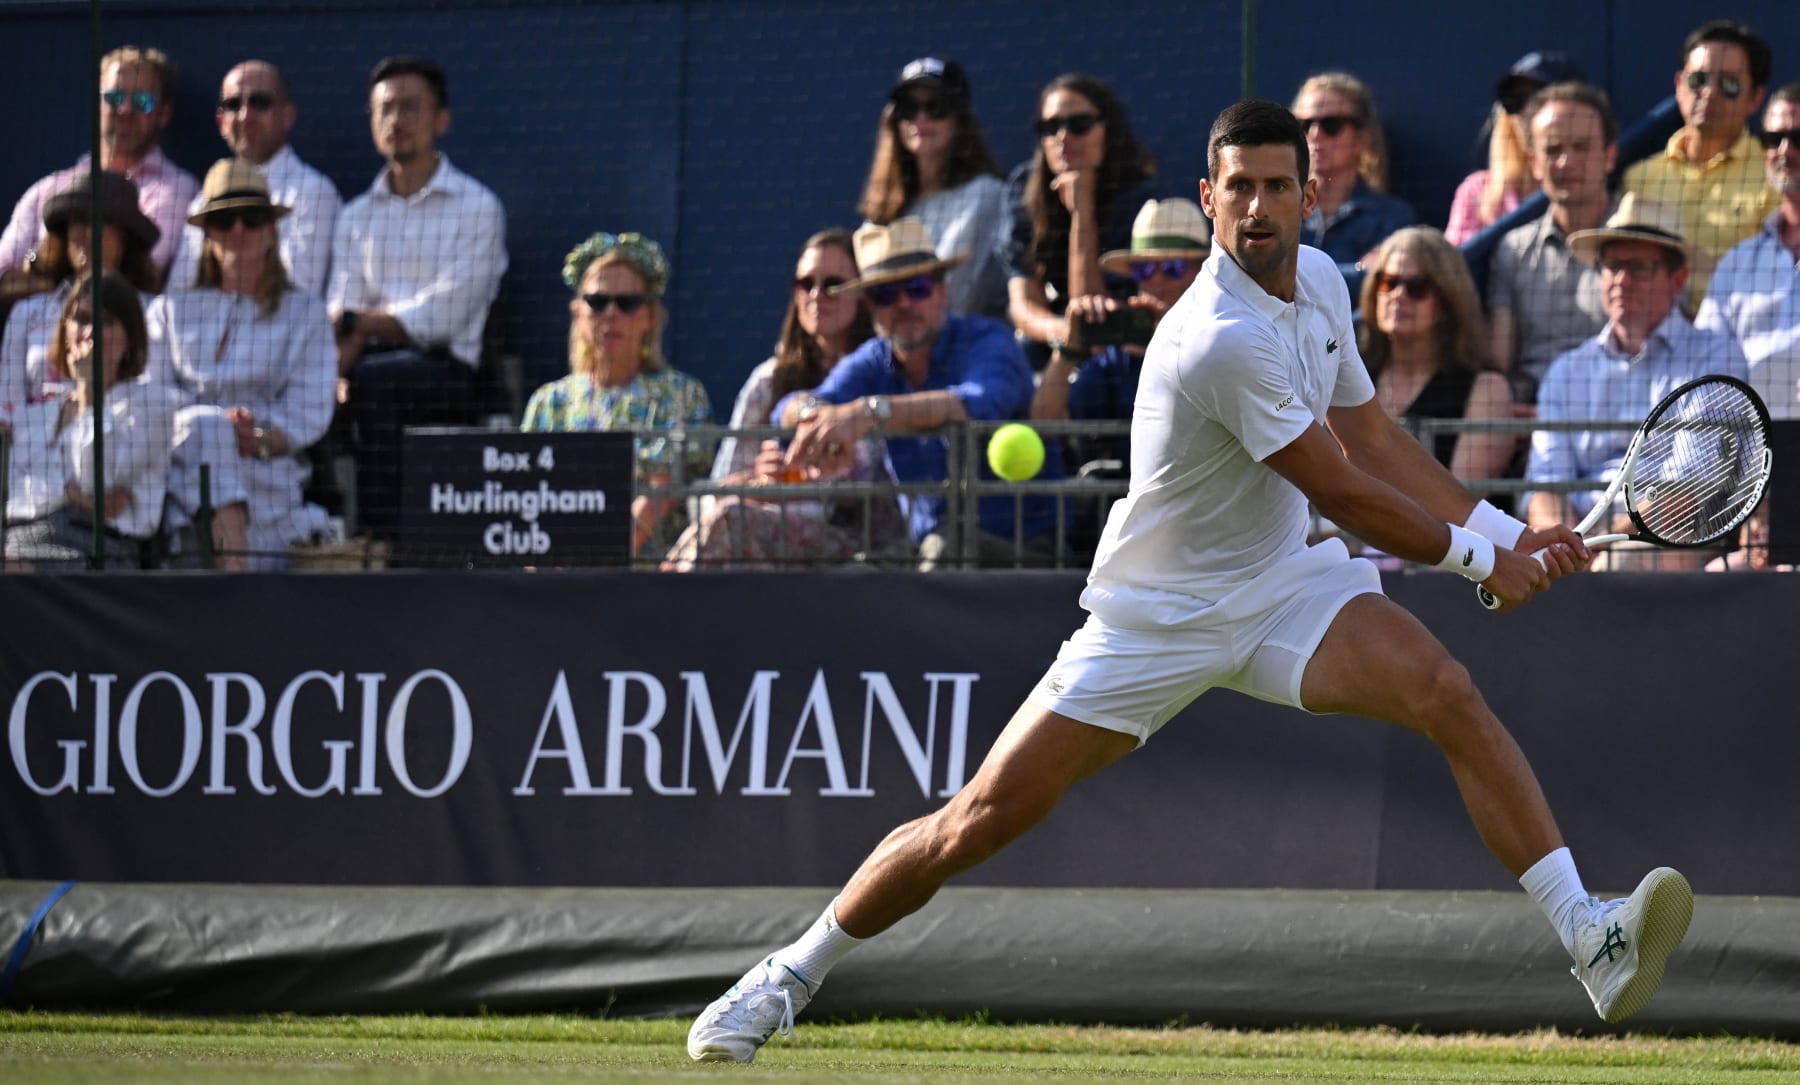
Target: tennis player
(1252, 402)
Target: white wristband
(1470, 555)
(1490, 523)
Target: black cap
(1533, 71)
(940, 72)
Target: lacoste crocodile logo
(1468, 557)
(1330, 345)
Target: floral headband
(642, 253)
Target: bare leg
(1377, 660)
(1035, 760)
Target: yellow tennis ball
(1015, 452)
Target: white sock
(823, 945)
(1553, 882)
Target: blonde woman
(1347, 149)
(1487, 194)
(618, 378)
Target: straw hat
(1639, 219)
(1163, 230)
(118, 205)
(900, 250)
(234, 182)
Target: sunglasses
(626, 304)
(259, 101)
(1729, 85)
(908, 107)
(140, 101)
(253, 218)
(1078, 124)
(917, 288)
(1145, 270)
(806, 284)
(1771, 141)
(1331, 125)
(1416, 287)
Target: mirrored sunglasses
(130, 101)
(253, 218)
(1174, 268)
(1416, 287)
(1729, 85)
(917, 288)
(1078, 124)
(624, 303)
(259, 101)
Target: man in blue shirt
(1646, 350)
(924, 369)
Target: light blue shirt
(1753, 298)
(1598, 382)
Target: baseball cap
(940, 72)
(1532, 71)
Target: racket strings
(1700, 470)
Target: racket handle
(1492, 601)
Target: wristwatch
(265, 446)
(880, 408)
(809, 405)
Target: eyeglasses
(1771, 141)
(1331, 125)
(1729, 85)
(139, 101)
(259, 101)
(1416, 287)
(1145, 270)
(917, 288)
(626, 304)
(1637, 269)
(906, 107)
(1078, 124)
(806, 284)
(253, 218)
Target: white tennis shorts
(1257, 640)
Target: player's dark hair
(1732, 32)
(1255, 122)
(428, 70)
(1579, 93)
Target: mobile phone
(1127, 325)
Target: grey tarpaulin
(1438, 961)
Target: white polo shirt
(1232, 375)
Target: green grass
(70, 1048)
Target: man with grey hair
(255, 114)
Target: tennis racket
(1693, 472)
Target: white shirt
(305, 233)
(432, 260)
(1233, 375)
(1753, 298)
(140, 435)
(25, 350)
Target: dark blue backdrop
(731, 129)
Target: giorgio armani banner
(645, 730)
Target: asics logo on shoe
(1615, 942)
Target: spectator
(924, 370)
(819, 329)
(255, 114)
(251, 358)
(1169, 241)
(1543, 301)
(137, 92)
(415, 265)
(1647, 350)
(52, 499)
(1487, 194)
(1711, 169)
(1073, 199)
(1349, 155)
(1426, 346)
(932, 162)
(1752, 295)
(618, 378)
(126, 241)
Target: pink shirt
(1465, 209)
(164, 192)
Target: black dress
(1445, 395)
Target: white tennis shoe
(742, 1019)
(1620, 953)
